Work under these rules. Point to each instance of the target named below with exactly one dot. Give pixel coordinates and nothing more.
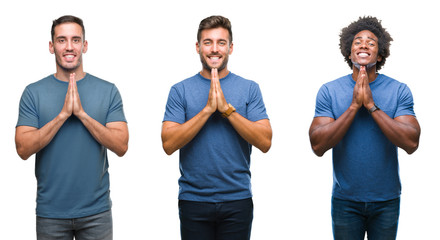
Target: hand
(367, 101)
(222, 105)
(77, 106)
(362, 95)
(216, 99)
(67, 110)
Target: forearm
(176, 136)
(325, 133)
(404, 131)
(258, 134)
(113, 136)
(30, 140)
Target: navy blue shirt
(214, 166)
(365, 164)
(71, 170)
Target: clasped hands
(362, 95)
(72, 102)
(216, 99)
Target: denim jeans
(352, 219)
(216, 221)
(95, 227)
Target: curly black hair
(371, 24)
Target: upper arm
(410, 121)
(120, 127)
(319, 122)
(21, 130)
(23, 134)
(166, 125)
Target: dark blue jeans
(95, 227)
(216, 221)
(352, 219)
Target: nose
(364, 45)
(214, 47)
(69, 45)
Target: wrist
(224, 108)
(370, 105)
(373, 109)
(228, 111)
(63, 116)
(82, 115)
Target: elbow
(412, 148)
(265, 148)
(121, 152)
(22, 153)
(318, 150)
(264, 144)
(168, 149)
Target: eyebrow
(59, 37)
(219, 40)
(367, 37)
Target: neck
(371, 72)
(64, 75)
(207, 73)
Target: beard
(68, 68)
(206, 66)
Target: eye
(60, 40)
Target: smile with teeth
(69, 56)
(363, 54)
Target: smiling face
(214, 49)
(68, 46)
(364, 49)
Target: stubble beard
(209, 68)
(68, 69)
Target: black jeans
(216, 221)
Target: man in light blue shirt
(364, 117)
(214, 118)
(70, 119)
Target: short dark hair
(214, 22)
(67, 19)
(371, 24)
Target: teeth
(69, 56)
(214, 58)
(363, 54)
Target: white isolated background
(289, 47)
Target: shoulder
(91, 79)
(344, 80)
(42, 86)
(240, 83)
(187, 83)
(391, 83)
(338, 85)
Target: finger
(214, 74)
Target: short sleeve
(116, 109)
(323, 106)
(256, 109)
(175, 108)
(405, 104)
(28, 115)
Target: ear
(51, 49)
(85, 46)
(379, 58)
(231, 48)
(197, 47)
